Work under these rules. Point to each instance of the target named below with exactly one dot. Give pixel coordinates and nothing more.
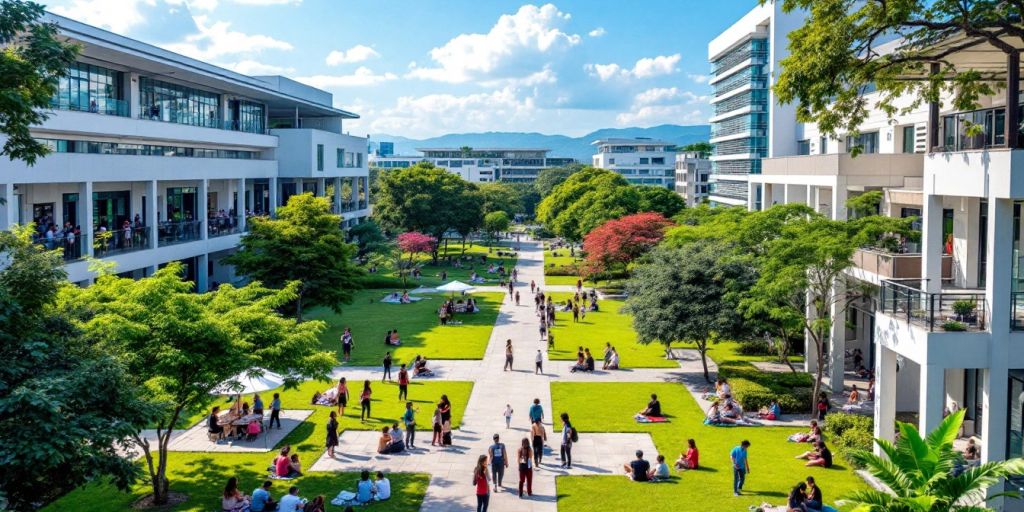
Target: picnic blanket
(392, 300)
(345, 498)
(746, 423)
(640, 418)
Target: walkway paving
(196, 439)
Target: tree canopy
(704, 148)
(368, 238)
(304, 244)
(618, 242)
(845, 50)
(586, 200)
(496, 222)
(660, 200)
(428, 199)
(32, 62)
(177, 346)
(551, 177)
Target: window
(89, 88)
(319, 157)
(124, 148)
(341, 158)
(658, 160)
(359, 159)
(611, 161)
(172, 103)
(867, 142)
(803, 147)
(245, 116)
(645, 161)
(823, 146)
(909, 139)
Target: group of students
(216, 428)
(261, 500)
(805, 497)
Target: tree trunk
(702, 347)
(819, 373)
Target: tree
(427, 199)
(687, 294)
(920, 473)
(32, 62)
(551, 177)
(59, 436)
(660, 200)
(178, 346)
(495, 223)
(586, 200)
(368, 238)
(704, 148)
(414, 243)
(305, 243)
(618, 242)
(837, 56)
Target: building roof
(631, 142)
(280, 93)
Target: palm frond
(886, 471)
(945, 433)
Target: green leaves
(428, 199)
(586, 200)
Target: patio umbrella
(256, 380)
(455, 286)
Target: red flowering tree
(412, 242)
(616, 243)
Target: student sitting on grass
(771, 412)
(653, 407)
(690, 459)
(660, 471)
(820, 456)
(639, 469)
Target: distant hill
(560, 145)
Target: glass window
(341, 158)
(319, 157)
(867, 142)
(823, 146)
(90, 88)
(803, 147)
(909, 139)
(172, 103)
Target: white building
(158, 157)
(693, 171)
(642, 161)
(748, 123)
(480, 165)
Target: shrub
(754, 348)
(838, 423)
(954, 326)
(562, 270)
(964, 308)
(849, 432)
(754, 389)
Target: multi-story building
(692, 173)
(158, 157)
(481, 165)
(945, 328)
(642, 161)
(748, 124)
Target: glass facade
(122, 148)
(89, 88)
(173, 103)
(246, 116)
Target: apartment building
(642, 161)
(480, 165)
(692, 177)
(748, 124)
(945, 328)
(157, 157)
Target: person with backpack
(569, 436)
(499, 461)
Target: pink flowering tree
(413, 243)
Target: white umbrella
(256, 380)
(455, 286)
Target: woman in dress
(332, 434)
(436, 440)
(446, 409)
(342, 396)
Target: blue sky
(424, 68)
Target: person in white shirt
(382, 487)
(291, 502)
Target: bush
(954, 326)
(755, 348)
(754, 389)
(849, 433)
(838, 423)
(964, 308)
(562, 270)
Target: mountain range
(560, 145)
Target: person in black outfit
(653, 407)
(637, 469)
(387, 367)
(213, 424)
(814, 500)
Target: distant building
(692, 172)
(642, 161)
(480, 165)
(385, 148)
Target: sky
(429, 67)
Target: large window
(803, 147)
(90, 88)
(125, 148)
(319, 157)
(246, 116)
(172, 103)
(909, 139)
(867, 142)
(341, 157)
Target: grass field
(608, 325)
(431, 274)
(563, 259)
(417, 325)
(202, 475)
(773, 467)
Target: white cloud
(361, 77)
(267, 2)
(202, 5)
(667, 95)
(439, 113)
(512, 46)
(357, 53)
(216, 39)
(252, 67)
(646, 67)
(700, 79)
(116, 15)
(597, 32)
(544, 76)
(663, 105)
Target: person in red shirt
(690, 459)
(403, 383)
(483, 488)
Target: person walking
(436, 440)
(517, 298)
(332, 434)
(533, 286)
(508, 355)
(364, 401)
(543, 330)
(403, 383)
(508, 416)
(524, 456)
(565, 452)
(387, 367)
(499, 462)
(539, 436)
(483, 488)
(740, 466)
(342, 396)
(536, 411)
(409, 418)
(539, 368)
(347, 344)
(275, 412)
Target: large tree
(618, 242)
(304, 243)
(845, 50)
(586, 200)
(178, 345)
(551, 177)
(368, 238)
(501, 197)
(496, 223)
(31, 63)
(66, 407)
(660, 200)
(688, 294)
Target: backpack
(574, 436)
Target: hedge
(849, 433)
(562, 270)
(754, 389)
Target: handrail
(931, 309)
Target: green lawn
(417, 325)
(773, 467)
(608, 325)
(202, 475)
(563, 259)
(726, 351)
(431, 274)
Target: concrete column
(817, 199)
(321, 187)
(9, 215)
(354, 193)
(751, 192)
(999, 267)
(885, 394)
(932, 397)
(240, 203)
(932, 242)
(298, 186)
(767, 195)
(273, 186)
(202, 273)
(337, 195)
(151, 206)
(85, 216)
(150, 270)
(785, 194)
(366, 193)
(968, 248)
(837, 337)
(133, 96)
(811, 199)
(839, 196)
(204, 208)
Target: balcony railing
(933, 311)
(70, 244)
(109, 243)
(106, 106)
(191, 119)
(362, 204)
(896, 266)
(977, 129)
(179, 232)
(222, 226)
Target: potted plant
(965, 310)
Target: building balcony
(948, 310)
(105, 106)
(179, 232)
(120, 241)
(887, 265)
(85, 123)
(223, 226)
(873, 169)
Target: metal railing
(190, 119)
(932, 310)
(179, 232)
(1017, 311)
(977, 129)
(106, 106)
(69, 244)
(222, 226)
(131, 239)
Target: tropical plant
(923, 474)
